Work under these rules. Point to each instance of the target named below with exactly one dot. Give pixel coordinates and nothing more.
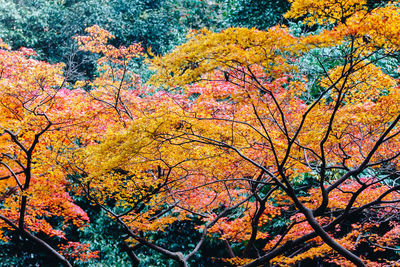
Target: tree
(35, 129)
(49, 26)
(239, 134)
(246, 134)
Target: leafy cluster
(275, 145)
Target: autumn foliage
(282, 161)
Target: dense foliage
(262, 145)
(48, 26)
(260, 14)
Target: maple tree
(285, 146)
(244, 122)
(36, 119)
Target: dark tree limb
(38, 241)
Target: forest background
(115, 214)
